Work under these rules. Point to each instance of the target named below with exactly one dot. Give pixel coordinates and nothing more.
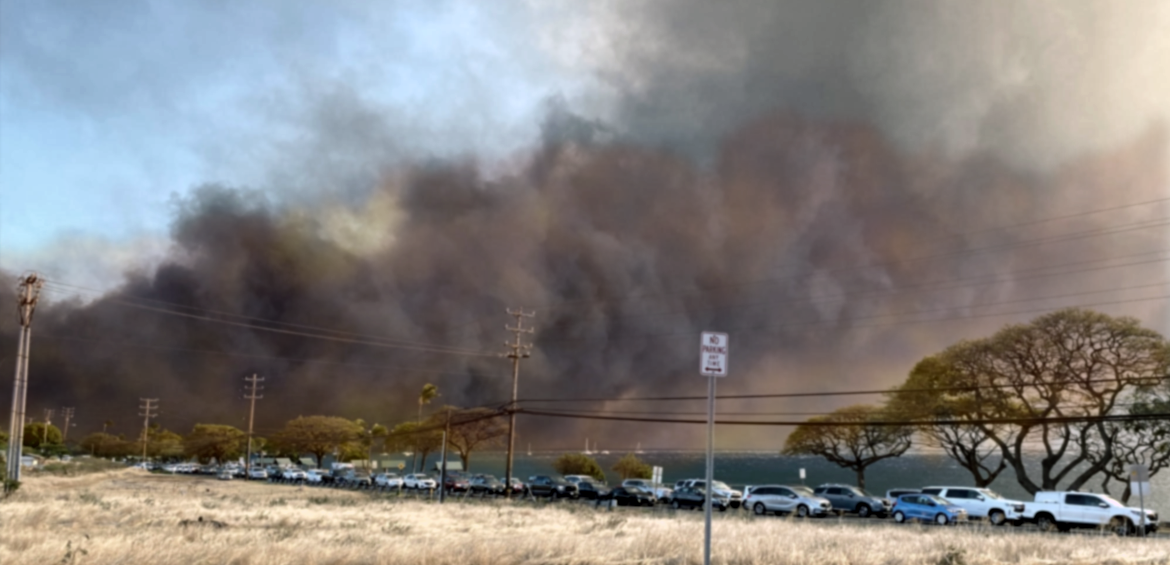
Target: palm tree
(429, 393)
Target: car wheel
(997, 518)
(863, 511)
(760, 509)
(941, 519)
(802, 511)
(674, 504)
(1045, 523)
(899, 517)
(1121, 526)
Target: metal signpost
(713, 349)
(1139, 480)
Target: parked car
(292, 474)
(351, 477)
(628, 496)
(661, 492)
(696, 497)
(981, 503)
(927, 508)
(734, 497)
(388, 480)
(850, 499)
(518, 486)
(224, 475)
(551, 487)
(455, 481)
(894, 493)
(784, 499)
(419, 481)
(578, 478)
(316, 476)
(485, 485)
(1058, 510)
(592, 490)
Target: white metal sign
(713, 349)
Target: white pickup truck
(1066, 510)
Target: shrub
(578, 464)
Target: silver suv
(848, 498)
(785, 499)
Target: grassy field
(127, 517)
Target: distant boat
(530, 450)
(595, 450)
(639, 448)
(587, 452)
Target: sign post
(713, 349)
(1139, 480)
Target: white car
(257, 473)
(981, 503)
(419, 481)
(1065, 510)
(316, 476)
(786, 499)
(388, 480)
(293, 474)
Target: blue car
(927, 508)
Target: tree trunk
(861, 478)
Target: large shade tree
(854, 437)
(414, 437)
(318, 435)
(215, 441)
(471, 429)
(1045, 385)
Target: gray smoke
(773, 171)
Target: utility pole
(45, 429)
(149, 405)
(253, 397)
(518, 351)
(443, 465)
(66, 413)
(30, 290)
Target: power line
(868, 392)
(850, 424)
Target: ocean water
(738, 468)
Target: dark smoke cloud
(754, 162)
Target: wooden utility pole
(149, 405)
(30, 290)
(518, 351)
(253, 397)
(66, 413)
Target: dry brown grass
(127, 517)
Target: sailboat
(530, 450)
(638, 449)
(606, 452)
(587, 452)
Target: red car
(456, 482)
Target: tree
(850, 438)
(214, 441)
(630, 467)
(429, 392)
(578, 464)
(100, 444)
(1053, 379)
(1144, 442)
(927, 395)
(318, 435)
(4, 438)
(38, 435)
(414, 437)
(471, 429)
(161, 444)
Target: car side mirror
(850, 495)
(792, 496)
(1102, 505)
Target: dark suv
(847, 498)
(551, 487)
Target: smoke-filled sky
(819, 179)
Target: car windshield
(860, 492)
(803, 491)
(720, 485)
(636, 490)
(990, 493)
(421, 476)
(937, 499)
(1112, 501)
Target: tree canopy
(215, 441)
(319, 435)
(37, 435)
(850, 438)
(630, 467)
(578, 464)
(471, 429)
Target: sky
(411, 168)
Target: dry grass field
(127, 517)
